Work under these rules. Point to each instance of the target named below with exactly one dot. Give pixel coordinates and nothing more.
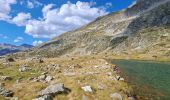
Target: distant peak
(26, 45)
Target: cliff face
(137, 29)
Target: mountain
(8, 48)
(142, 28)
(26, 45)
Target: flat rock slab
(53, 89)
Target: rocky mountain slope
(8, 48)
(143, 28)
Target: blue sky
(37, 21)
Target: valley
(124, 55)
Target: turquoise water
(149, 79)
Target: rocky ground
(78, 78)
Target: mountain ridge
(109, 33)
(9, 48)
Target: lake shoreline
(144, 87)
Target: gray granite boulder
(53, 89)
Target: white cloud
(5, 9)
(21, 19)
(37, 3)
(35, 43)
(3, 36)
(30, 4)
(59, 20)
(55, 21)
(18, 39)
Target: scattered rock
(5, 78)
(119, 78)
(36, 60)
(24, 68)
(45, 97)
(6, 93)
(87, 89)
(42, 77)
(44, 73)
(49, 78)
(53, 89)
(116, 96)
(52, 67)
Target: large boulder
(53, 90)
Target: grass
(27, 90)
